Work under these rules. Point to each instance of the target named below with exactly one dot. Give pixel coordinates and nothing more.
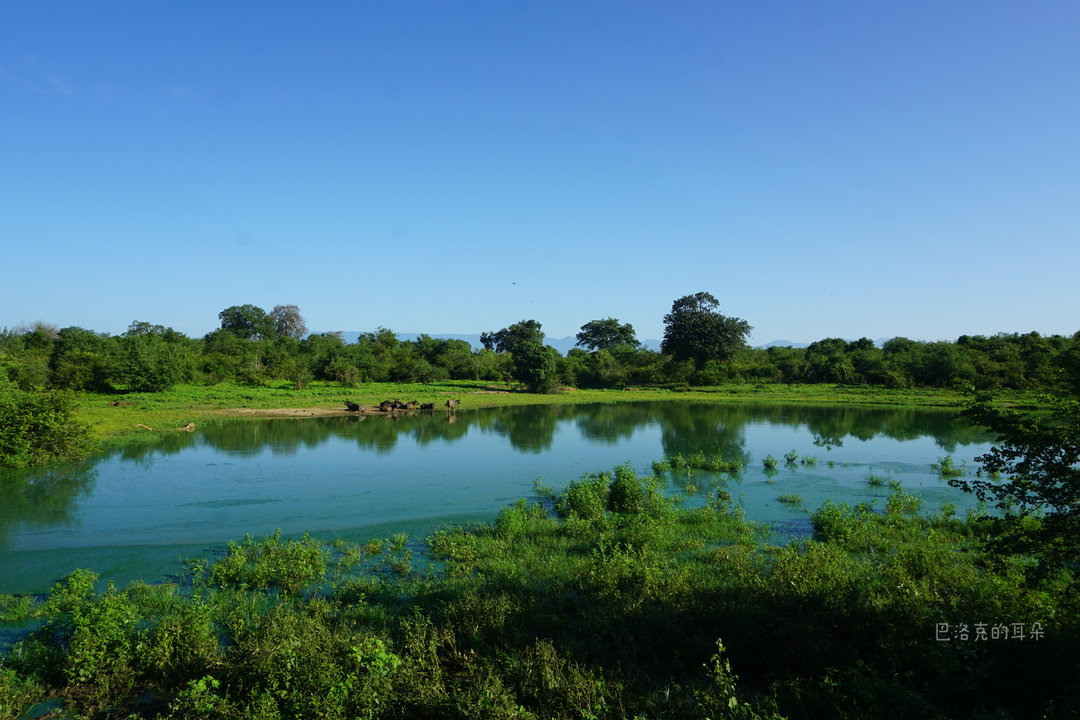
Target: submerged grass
(606, 599)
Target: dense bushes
(38, 428)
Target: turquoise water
(136, 513)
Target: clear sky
(824, 169)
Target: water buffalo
(451, 405)
(386, 406)
(353, 407)
(427, 406)
(412, 405)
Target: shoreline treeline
(254, 347)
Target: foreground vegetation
(607, 600)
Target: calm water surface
(134, 513)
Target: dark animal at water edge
(412, 405)
(427, 406)
(398, 405)
(386, 405)
(353, 407)
(452, 404)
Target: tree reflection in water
(41, 498)
(686, 427)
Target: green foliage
(535, 366)
(38, 428)
(694, 330)
(627, 491)
(247, 322)
(585, 499)
(17, 693)
(790, 457)
(769, 462)
(606, 334)
(83, 360)
(152, 363)
(605, 614)
(287, 565)
(946, 467)
(1039, 497)
(510, 338)
(791, 499)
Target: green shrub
(287, 565)
(769, 462)
(38, 428)
(627, 492)
(585, 499)
(947, 468)
(17, 694)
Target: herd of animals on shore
(390, 406)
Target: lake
(136, 512)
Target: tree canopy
(507, 339)
(695, 330)
(288, 322)
(247, 322)
(606, 334)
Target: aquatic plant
(947, 468)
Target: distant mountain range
(563, 345)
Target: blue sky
(824, 169)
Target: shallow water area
(135, 513)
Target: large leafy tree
(535, 366)
(606, 334)
(510, 337)
(248, 322)
(288, 322)
(695, 330)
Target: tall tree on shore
(507, 339)
(248, 322)
(606, 334)
(288, 322)
(695, 330)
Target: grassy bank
(199, 403)
(606, 600)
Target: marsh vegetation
(605, 599)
